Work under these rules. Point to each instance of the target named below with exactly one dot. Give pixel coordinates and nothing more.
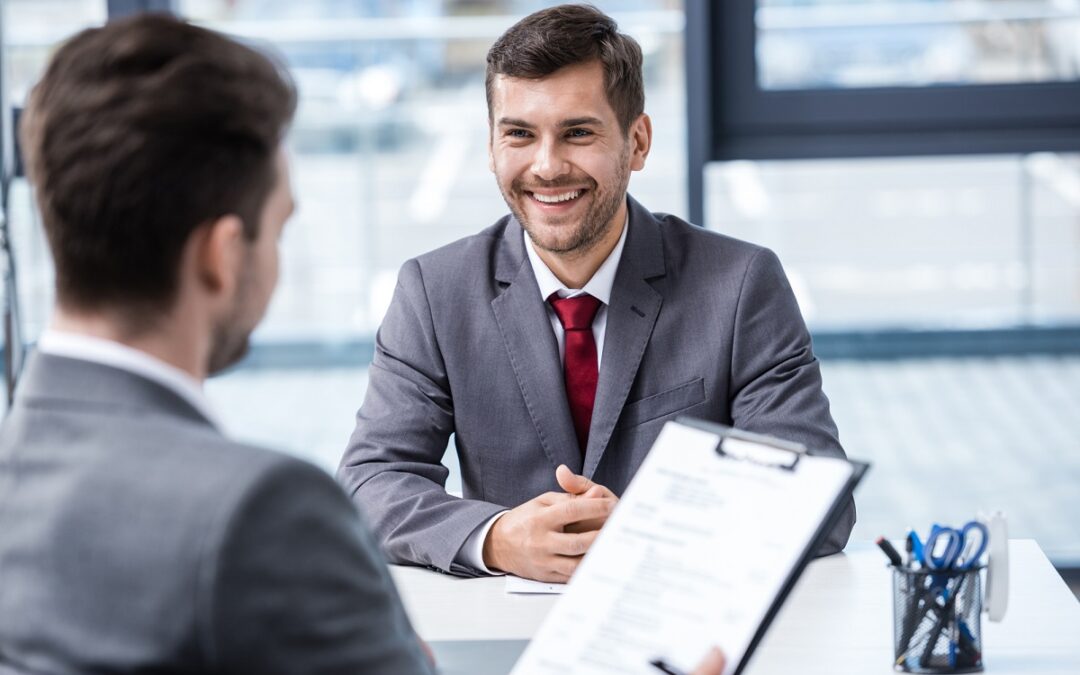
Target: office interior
(938, 268)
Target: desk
(837, 620)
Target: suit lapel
(631, 316)
(534, 356)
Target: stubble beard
(231, 339)
(229, 346)
(597, 221)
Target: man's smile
(555, 200)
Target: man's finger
(549, 498)
(576, 484)
(563, 567)
(585, 526)
(573, 483)
(565, 543)
(574, 510)
(598, 491)
(712, 664)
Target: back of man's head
(566, 35)
(140, 132)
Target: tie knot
(575, 313)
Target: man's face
(560, 157)
(259, 274)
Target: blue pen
(954, 638)
(917, 554)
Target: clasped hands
(546, 537)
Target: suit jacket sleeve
(776, 379)
(299, 586)
(392, 467)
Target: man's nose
(549, 163)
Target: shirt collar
(599, 286)
(116, 355)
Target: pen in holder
(936, 620)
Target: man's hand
(576, 484)
(536, 540)
(712, 664)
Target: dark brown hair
(565, 35)
(140, 132)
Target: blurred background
(912, 163)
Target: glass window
(32, 29)
(932, 243)
(825, 44)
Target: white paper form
(694, 556)
(530, 587)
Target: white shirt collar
(116, 355)
(599, 286)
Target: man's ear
(491, 148)
(219, 248)
(641, 140)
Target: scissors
(948, 548)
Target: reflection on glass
(824, 44)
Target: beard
(232, 335)
(604, 204)
(229, 346)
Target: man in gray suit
(135, 537)
(556, 343)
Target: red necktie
(579, 358)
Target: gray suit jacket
(135, 538)
(699, 324)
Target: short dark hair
(565, 35)
(140, 132)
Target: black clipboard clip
(750, 447)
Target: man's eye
(578, 133)
(517, 133)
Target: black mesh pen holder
(937, 620)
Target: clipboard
(790, 453)
(686, 562)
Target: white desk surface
(837, 620)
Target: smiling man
(556, 343)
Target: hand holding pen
(712, 664)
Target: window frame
(731, 117)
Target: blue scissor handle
(960, 549)
(942, 556)
(974, 537)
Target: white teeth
(555, 199)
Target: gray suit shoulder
(285, 563)
(216, 469)
(476, 249)
(295, 568)
(682, 239)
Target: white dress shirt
(116, 355)
(599, 286)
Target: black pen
(885, 546)
(664, 667)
